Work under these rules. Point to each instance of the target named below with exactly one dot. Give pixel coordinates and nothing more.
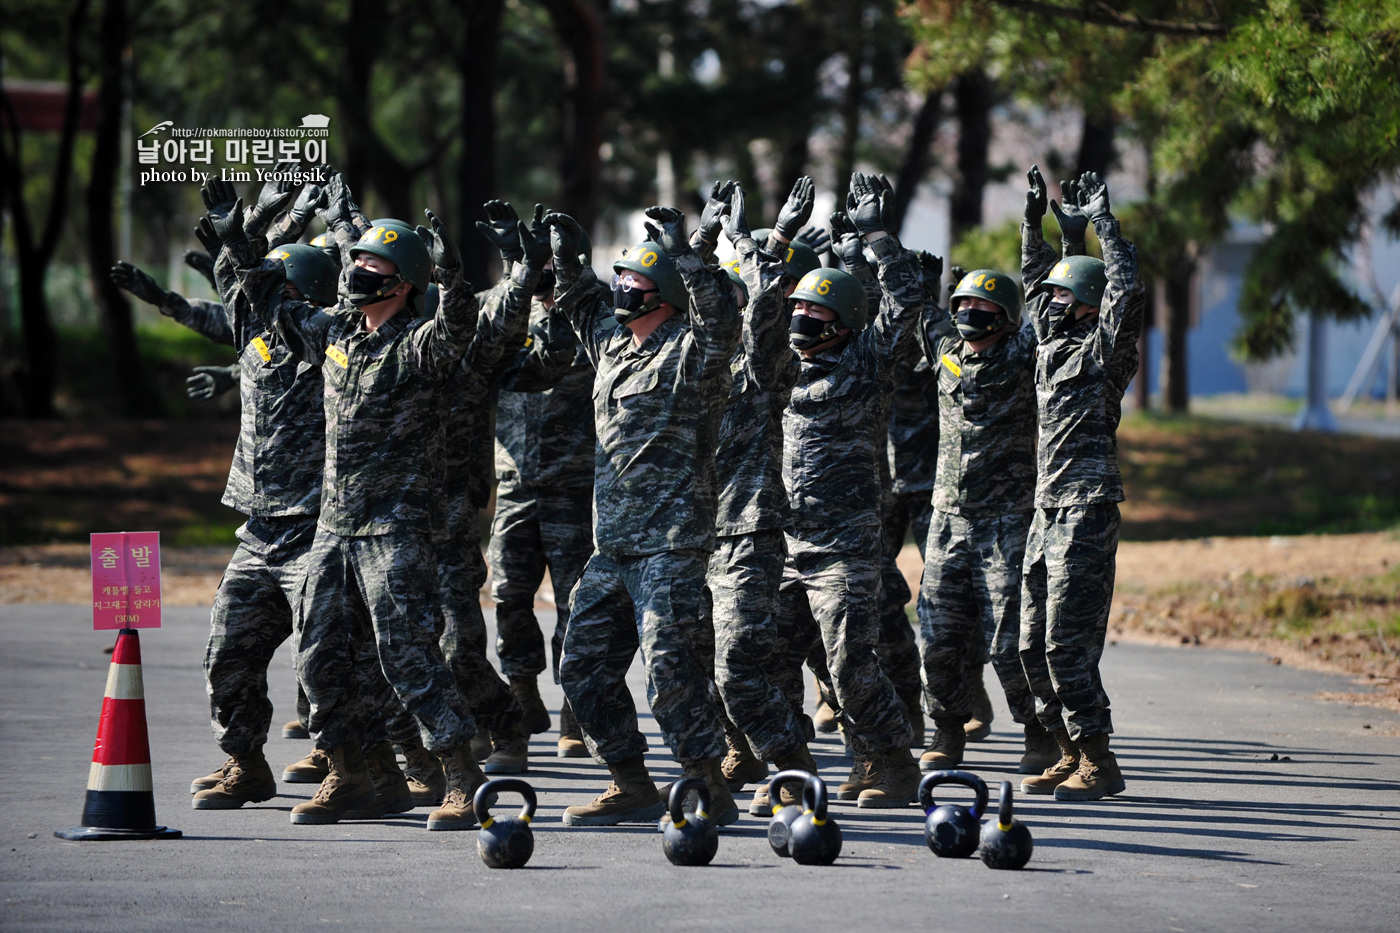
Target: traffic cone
(120, 803)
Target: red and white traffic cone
(120, 803)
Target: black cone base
(106, 834)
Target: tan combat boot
(946, 749)
(295, 730)
(423, 774)
(897, 781)
(391, 791)
(1055, 775)
(463, 778)
(310, 770)
(741, 766)
(723, 810)
(1042, 751)
(571, 744)
(1097, 776)
(481, 746)
(510, 752)
(788, 795)
(630, 798)
(980, 725)
(860, 778)
(347, 787)
(527, 693)
(247, 779)
(824, 719)
(209, 780)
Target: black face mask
(367, 288)
(807, 332)
(1059, 308)
(978, 323)
(544, 287)
(631, 303)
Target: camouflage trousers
(371, 609)
(462, 637)
(743, 580)
(536, 527)
(971, 599)
(652, 603)
(1066, 594)
(835, 575)
(254, 612)
(897, 650)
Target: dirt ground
(1149, 606)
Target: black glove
(671, 232)
(209, 381)
(499, 227)
(796, 209)
(846, 244)
(271, 199)
(308, 204)
(565, 235)
(817, 238)
(1073, 221)
(958, 273)
(536, 244)
(440, 246)
(132, 279)
(932, 267)
(735, 216)
(1035, 197)
(225, 211)
(1093, 197)
(204, 232)
(872, 204)
(711, 219)
(202, 263)
(339, 206)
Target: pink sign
(126, 580)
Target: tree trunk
(1142, 382)
(972, 102)
(38, 373)
(476, 179)
(851, 102)
(368, 161)
(1096, 144)
(580, 27)
(1175, 297)
(139, 397)
(916, 159)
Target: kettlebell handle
(785, 779)
(1004, 817)
(487, 793)
(964, 778)
(814, 798)
(676, 803)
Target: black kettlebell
(1006, 843)
(690, 838)
(952, 831)
(505, 842)
(780, 827)
(814, 839)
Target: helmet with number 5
(835, 289)
(399, 244)
(649, 259)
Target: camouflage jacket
(986, 411)
(654, 486)
(749, 458)
(382, 398)
(464, 444)
(277, 462)
(834, 427)
(913, 427)
(206, 318)
(1082, 369)
(544, 413)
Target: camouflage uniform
(971, 590)
(654, 497)
(834, 443)
(1082, 369)
(544, 497)
(746, 568)
(372, 572)
(274, 479)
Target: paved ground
(1249, 804)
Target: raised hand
(535, 241)
(339, 203)
(846, 243)
(669, 230)
(308, 203)
(872, 205)
(932, 267)
(204, 232)
(1093, 196)
(796, 209)
(1073, 221)
(817, 238)
(736, 217)
(1035, 197)
(499, 227)
(439, 242)
(132, 279)
(711, 215)
(274, 195)
(565, 235)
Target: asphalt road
(1250, 804)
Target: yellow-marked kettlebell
(505, 842)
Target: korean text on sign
(126, 580)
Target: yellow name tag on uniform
(261, 346)
(952, 365)
(338, 355)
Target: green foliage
(999, 247)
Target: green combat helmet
(1085, 276)
(327, 245)
(997, 287)
(400, 245)
(798, 260)
(732, 269)
(310, 270)
(831, 288)
(649, 259)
